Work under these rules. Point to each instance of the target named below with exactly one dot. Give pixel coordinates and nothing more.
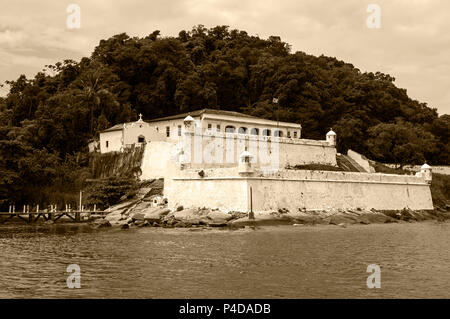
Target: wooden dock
(52, 214)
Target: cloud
(413, 43)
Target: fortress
(232, 161)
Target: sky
(408, 39)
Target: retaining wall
(296, 190)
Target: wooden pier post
(30, 215)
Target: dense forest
(46, 121)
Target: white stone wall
(296, 190)
(157, 160)
(228, 194)
(114, 139)
(134, 130)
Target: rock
(142, 206)
(218, 224)
(125, 226)
(123, 206)
(191, 215)
(363, 220)
(216, 218)
(138, 217)
(156, 215)
(341, 219)
(262, 220)
(100, 223)
(343, 225)
(114, 216)
(183, 224)
(143, 224)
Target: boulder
(138, 217)
(339, 218)
(123, 206)
(191, 215)
(217, 217)
(262, 220)
(114, 217)
(156, 215)
(141, 206)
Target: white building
(121, 136)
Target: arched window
(242, 130)
(141, 139)
(278, 133)
(254, 131)
(267, 132)
(230, 129)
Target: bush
(110, 191)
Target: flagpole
(275, 100)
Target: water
(272, 262)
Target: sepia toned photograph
(197, 150)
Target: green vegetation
(110, 191)
(440, 191)
(46, 121)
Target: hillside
(46, 121)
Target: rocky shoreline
(142, 212)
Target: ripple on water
(271, 262)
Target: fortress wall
(213, 149)
(156, 160)
(296, 190)
(229, 194)
(222, 150)
(271, 194)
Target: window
(157, 129)
(230, 129)
(254, 131)
(295, 134)
(209, 127)
(168, 131)
(278, 133)
(179, 130)
(107, 143)
(289, 134)
(266, 132)
(218, 127)
(242, 130)
(141, 139)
